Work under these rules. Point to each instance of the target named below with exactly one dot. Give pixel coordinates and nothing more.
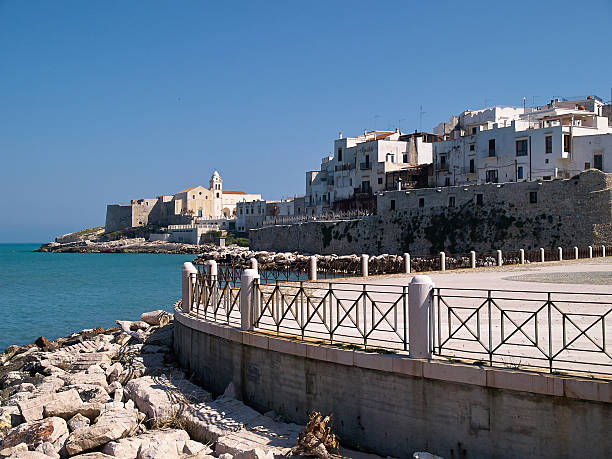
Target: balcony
(365, 166)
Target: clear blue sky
(106, 101)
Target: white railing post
(576, 253)
(420, 323)
(522, 256)
(590, 251)
(364, 265)
(253, 262)
(500, 259)
(407, 263)
(312, 268)
(442, 261)
(473, 259)
(542, 258)
(188, 277)
(603, 250)
(560, 251)
(247, 294)
(212, 274)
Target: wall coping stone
(491, 377)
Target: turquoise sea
(55, 294)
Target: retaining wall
(509, 216)
(394, 405)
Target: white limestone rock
(149, 443)
(89, 392)
(113, 372)
(64, 404)
(157, 317)
(76, 379)
(10, 416)
(77, 421)
(48, 449)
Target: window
(472, 166)
(447, 181)
(472, 147)
(479, 199)
(451, 201)
(474, 130)
(421, 202)
(193, 197)
(443, 162)
(567, 144)
(519, 173)
(217, 194)
(547, 177)
(521, 147)
(587, 166)
(598, 162)
(491, 147)
(365, 186)
(351, 182)
(379, 180)
(492, 176)
(549, 144)
(339, 154)
(533, 197)
(405, 158)
(393, 204)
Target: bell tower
(216, 188)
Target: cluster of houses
(491, 145)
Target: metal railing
(353, 314)
(294, 219)
(558, 331)
(216, 299)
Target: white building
(359, 166)
(510, 144)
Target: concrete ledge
(496, 378)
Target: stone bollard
(420, 307)
(560, 251)
(188, 277)
(590, 251)
(247, 299)
(312, 268)
(576, 253)
(603, 250)
(442, 261)
(364, 265)
(407, 263)
(473, 259)
(212, 269)
(253, 262)
(500, 259)
(522, 256)
(542, 259)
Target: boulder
(77, 379)
(157, 317)
(64, 405)
(113, 372)
(111, 425)
(36, 432)
(161, 397)
(10, 417)
(114, 386)
(28, 455)
(48, 449)
(161, 337)
(151, 444)
(49, 384)
(91, 456)
(42, 342)
(32, 408)
(195, 448)
(89, 392)
(13, 450)
(12, 378)
(77, 421)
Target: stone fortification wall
(142, 212)
(118, 217)
(509, 216)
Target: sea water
(55, 294)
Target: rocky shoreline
(119, 392)
(133, 245)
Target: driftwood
(317, 439)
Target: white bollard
(253, 262)
(420, 306)
(522, 256)
(188, 276)
(473, 259)
(590, 251)
(560, 251)
(442, 261)
(247, 297)
(576, 253)
(500, 259)
(212, 278)
(542, 259)
(312, 268)
(212, 269)
(364, 265)
(603, 250)
(407, 263)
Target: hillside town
(494, 145)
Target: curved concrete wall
(394, 405)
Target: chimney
(340, 134)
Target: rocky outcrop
(132, 245)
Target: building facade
(507, 144)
